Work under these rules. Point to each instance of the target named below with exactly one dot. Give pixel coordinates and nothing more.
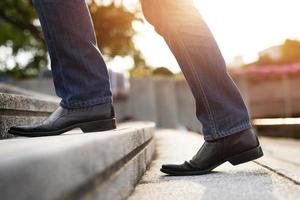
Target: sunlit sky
(241, 28)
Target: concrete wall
(170, 103)
(272, 98)
(166, 101)
(42, 85)
(141, 102)
(186, 107)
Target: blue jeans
(79, 71)
(80, 74)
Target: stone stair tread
(245, 181)
(58, 166)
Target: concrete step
(245, 181)
(282, 157)
(101, 165)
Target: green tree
(290, 51)
(113, 26)
(140, 69)
(162, 71)
(21, 33)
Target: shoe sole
(86, 127)
(244, 157)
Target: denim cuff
(83, 104)
(232, 131)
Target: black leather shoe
(90, 119)
(236, 149)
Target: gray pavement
(282, 156)
(253, 180)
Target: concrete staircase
(101, 165)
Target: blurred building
(119, 83)
(274, 53)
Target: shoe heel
(99, 125)
(246, 156)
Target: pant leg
(219, 105)
(79, 72)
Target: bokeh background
(260, 40)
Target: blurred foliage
(140, 71)
(140, 68)
(290, 53)
(145, 71)
(18, 34)
(113, 27)
(162, 71)
(21, 33)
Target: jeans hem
(232, 131)
(82, 104)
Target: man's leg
(79, 72)
(219, 105)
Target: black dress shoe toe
(182, 169)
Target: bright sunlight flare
(242, 28)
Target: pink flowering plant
(269, 72)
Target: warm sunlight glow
(277, 121)
(242, 28)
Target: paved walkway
(253, 180)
